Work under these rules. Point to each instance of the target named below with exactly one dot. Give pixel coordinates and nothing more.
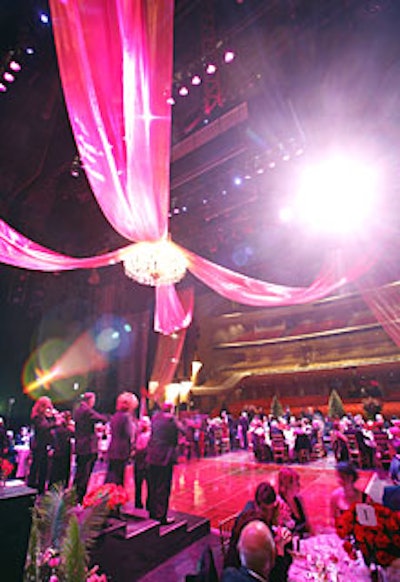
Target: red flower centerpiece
(115, 496)
(6, 468)
(380, 543)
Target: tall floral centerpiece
(61, 537)
(380, 543)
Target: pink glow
(8, 77)
(3, 88)
(14, 66)
(183, 91)
(229, 56)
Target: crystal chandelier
(155, 263)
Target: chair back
(225, 527)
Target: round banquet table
(323, 558)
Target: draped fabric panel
(115, 60)
(169, 350)
(384, 302)
(249, 291)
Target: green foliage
(276, 407)
(74, 553)
(31, 573)
(54, 511)
(335, 405)
(61, 536)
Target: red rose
(383, 558)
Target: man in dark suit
(257, 555)
(161, 457)
(85, 418)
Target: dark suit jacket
(85, 437)
(237, 575)
(162, 445)
(121, 436)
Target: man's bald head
(256, 547)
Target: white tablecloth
(323, 558)
(23, 452)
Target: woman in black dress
(43, 417)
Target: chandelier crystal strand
(155, 263)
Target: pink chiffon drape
(115, 61)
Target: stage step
(132, 544)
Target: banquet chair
(355, 455)
(279, 448)
(225, 527)
(382, 454)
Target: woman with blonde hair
(123, 428)
(43, 418)
(289, 491)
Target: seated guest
(289, 491)
(347, 493)
(257, 555)
(273, 511)
(394, 469)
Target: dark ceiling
(307, 73)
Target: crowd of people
(265, 529)
(64, 447)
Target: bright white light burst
(337, 195)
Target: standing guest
(85, 418)
(141, 468)
(43, 418)
(256, 549)
(161, 457)
(123, 431)
(62, 435)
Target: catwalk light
(196, 80)
(229, 56)
(15, 66)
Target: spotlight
(14, 66)
(196, 80)
(211, 69)
(3, 88)
(229, 56)
(171, 101)
(29, 50)
(44, 18)
(183, 91)
(8, 77)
